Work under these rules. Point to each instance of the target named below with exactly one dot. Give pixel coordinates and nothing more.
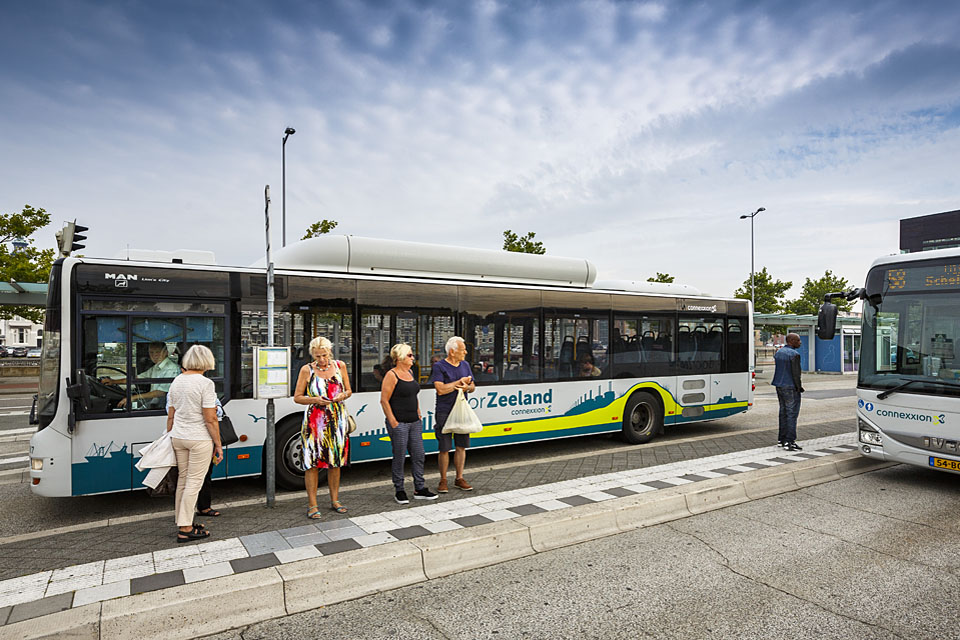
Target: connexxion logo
(903, 415)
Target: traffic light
(70, 237)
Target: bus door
(127, 356)
(699, 358)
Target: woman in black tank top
(398, 398)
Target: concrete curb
(220, 604)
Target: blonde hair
(198, 358)
(400, 351)
(320, 343)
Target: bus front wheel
(289, 456)
(642, 418)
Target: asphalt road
(871, 556)
(829, 398)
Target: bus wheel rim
(293, 453)
(641, 418)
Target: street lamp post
(289, 131)
(753, 299)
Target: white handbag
(462, 418)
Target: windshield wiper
(890, 392)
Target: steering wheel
(111, 392)
(106, 366)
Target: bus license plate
(941, 463)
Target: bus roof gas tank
(375, 256)
(642, 286)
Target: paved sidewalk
(51, 591)
(84, 545)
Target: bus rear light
(243, 456)
(365, 444)
(36, 481)
(243, 438)
(36, 464)
(753, 387)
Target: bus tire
(289, 454)
(642, 418)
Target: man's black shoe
(424, 494)
(401, 497)
(780, 443)
(793, 446)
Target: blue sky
(631, 133)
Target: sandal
(313, 513)
(213, 513)
(339, 508)
(195, 534)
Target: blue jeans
(789, 399)
(407, 436)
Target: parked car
(19, 352)
(4, 352)
(34, 353)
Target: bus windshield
(911, 326)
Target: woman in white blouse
(195, 433)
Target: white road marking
(13, 413)
(16, 432)
(12, 460)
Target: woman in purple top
(448, 376)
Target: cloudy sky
(631, 133)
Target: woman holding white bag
(450, 375)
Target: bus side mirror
(827, 321)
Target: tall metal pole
(753, 286)
(270, 444)
(289, 131)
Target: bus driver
(163, 367)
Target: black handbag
(167, 486)
(228, 434)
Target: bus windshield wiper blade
(890, 392)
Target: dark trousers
(407, 436)
(789, 399)
(203, 498)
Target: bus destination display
(925, 278)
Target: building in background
(19, 332)
(925, 233)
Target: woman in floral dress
(323, 385)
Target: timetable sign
(272, 371)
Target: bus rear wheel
(289, 457)
(642, 418)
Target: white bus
(530, 322)
(908, 391)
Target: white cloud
(633, 134)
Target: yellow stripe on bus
(612, 413)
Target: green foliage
(769, 294)
(319, 228)
(525, 244)
(661, 277)
(811, 297)
(28, 264)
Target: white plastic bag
(462, 418)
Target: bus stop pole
(270, 443)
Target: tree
(25, 263)
(526, 244)
(319, 228)
(769, 294)
(811, 297)
(662, 277)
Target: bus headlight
(36, 464)
(869, 435)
